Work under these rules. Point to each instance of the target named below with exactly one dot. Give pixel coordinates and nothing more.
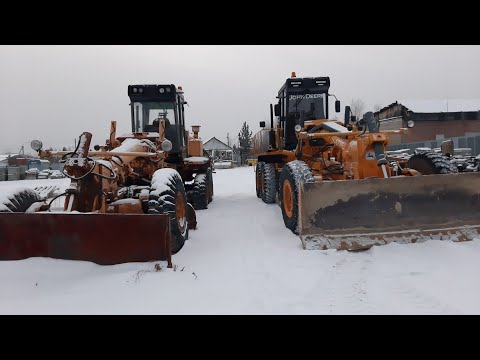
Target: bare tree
(356, 107)
(377, 107)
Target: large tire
(19, 200)
(167, 196)
(293, 173)
(189, 192)
(210, 184)
(258, 178)
(269, 193)
(429, 163)
(200, 194)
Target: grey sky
(54, 93)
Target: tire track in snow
(421, 302)
(347, 290)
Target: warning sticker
(370, 155)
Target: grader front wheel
(293, 173)
(170, 199)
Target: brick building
(434, 119)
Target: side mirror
(337, 106)
(347, 115)
(262, 124)
(301, 121)
(277, 109)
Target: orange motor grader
(127, 200)
(337, 188)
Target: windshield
(147, 115)
(312, 104)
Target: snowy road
(242, 260)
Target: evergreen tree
(245, 142)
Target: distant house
(434, 119)
(3, 161)
(6, 158)
(218, 150)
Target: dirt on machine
(339, 189)
(132, 199)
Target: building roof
(6, 156)
(441, 105)
(215, 144)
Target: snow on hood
(337, 127)
(132, 144)
(196, 159)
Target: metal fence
(472, 142)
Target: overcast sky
(54, 93)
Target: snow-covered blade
(358, 214)
(105, 239)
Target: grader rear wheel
(269, 188)
(200, 194)
(258, 178)
(210, 184)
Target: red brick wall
(426, 130)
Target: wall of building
(394, 124)
(428, 126)
(428, 130)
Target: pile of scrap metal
(462, 158)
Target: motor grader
(336, 186)
(127, 200)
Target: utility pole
(228, 140)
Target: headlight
(140, 90)
(298, 128)
(162, 90)
(36, 145)
(410, 123)
(135, 90)
(167, 145)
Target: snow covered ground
(242, 260)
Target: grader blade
(358, 214)
(105, 239)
